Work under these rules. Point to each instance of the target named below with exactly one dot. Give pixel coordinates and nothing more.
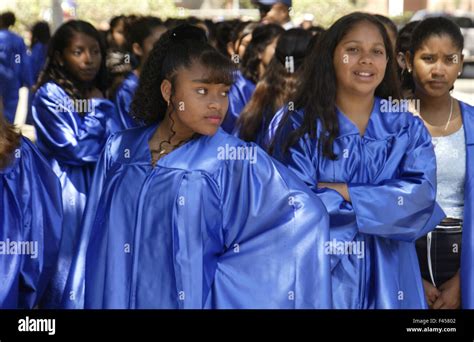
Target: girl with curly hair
(73, 121)
(184, 215)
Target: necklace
(157, 154)
(450, 115)
(162, 150)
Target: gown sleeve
(66, 136)
(123, 100)
(411, 194)
(400, 208)
(275, 229)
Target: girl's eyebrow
(432, 53)
(205, 80)
(80, 46)
(360, 42)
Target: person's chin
(435, 92)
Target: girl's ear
(409, 64)
(137, 49)
(58, 58)
(166, 90)
(401, 60)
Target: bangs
(219, 69)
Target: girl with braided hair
(183, 215)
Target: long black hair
(40, 33)
(278, 84)
(317, 93)
(140, 29)
(403, 46)
(175, 49)
(262, 36)
(54, 72)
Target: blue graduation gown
(14, 58)
(391, 176)
(72, 144)
(197, 231)
(31, 214)
(239, 94)
(4, 78)
(123, 100)
(467, 248)
(38, 59)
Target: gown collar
(347, 127)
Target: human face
(82, 58)
(267, 54)
(199, 106)
(360, 60)
(118, 34)
(436, 65)
(148, 43)
(244, 42)
(278, 14)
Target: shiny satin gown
(239, 94)
(72, 144)
(201, 229)
(30, 215)
(15, 66)
(123, 99)
(391, 175)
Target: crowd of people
(191, 164)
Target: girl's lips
(215, 119)
(364, 75)
(88, 71)
(437, 84)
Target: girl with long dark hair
(372, 165)
(256, 58)
(142, 35)
(277, 86)
(73, 121)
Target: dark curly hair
(177, 48)
(53, 71)
(262, 36)
(317, 94)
